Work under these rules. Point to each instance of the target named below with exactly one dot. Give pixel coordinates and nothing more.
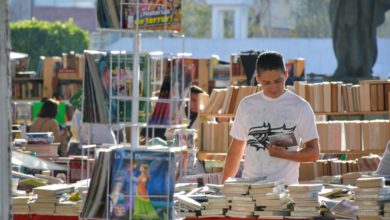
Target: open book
(283, 139)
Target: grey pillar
(5, 122)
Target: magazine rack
(146, 92)
(161, 98)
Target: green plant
(41, 38)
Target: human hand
(276, 150)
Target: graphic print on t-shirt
(258, 136)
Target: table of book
(231, 218)
(215, 218)
(43, 217)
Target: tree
(257, 18)
(42, 38)
(312, 19)
(196, 19)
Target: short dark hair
(196, 90)
(270, 60)
(49, 109)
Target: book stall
(161, 162)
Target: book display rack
(143, 94)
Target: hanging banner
(153, 15)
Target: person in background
(193, 110)
(195, 91)
(45, 122)
(273, 111)
(86, 133)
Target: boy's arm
(309, 153)
(233, 158)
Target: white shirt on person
(87, 133)
(259, 116)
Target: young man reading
(273, 111)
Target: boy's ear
(257, 79)
(286, 74)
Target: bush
(41, 38)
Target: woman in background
(45, 122)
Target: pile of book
(241, 203)
(48, 197)
(367, 197)
(271, 198)
(43, 151)
(20, 204)
(187, 205)
(350, 178)
(216, 206)
(68, 208)
(241, 206)
(305, 197)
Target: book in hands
(283, 139)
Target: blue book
(142, 184)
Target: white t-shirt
(87, 133)
(259, 116)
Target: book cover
(283, 139)
(103, 72)
(142, 184)
(95, 202)
(155, 15)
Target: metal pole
(5, 120)
(136, 76)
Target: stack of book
(305, 197)
(241, 207)
(367, 197)
(187, 205)
(235, 188)
(20, 204)
(271, 198)
(241, 204)
(48, 197)
(216, 206)
(68, 208)
(350, 178)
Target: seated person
(193, 117)
(45, 122)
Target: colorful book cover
(142, 184)
(97, 87)
(153, 15)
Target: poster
(153, 15)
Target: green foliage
(196, 18)
(312, 19)
(42, 38)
